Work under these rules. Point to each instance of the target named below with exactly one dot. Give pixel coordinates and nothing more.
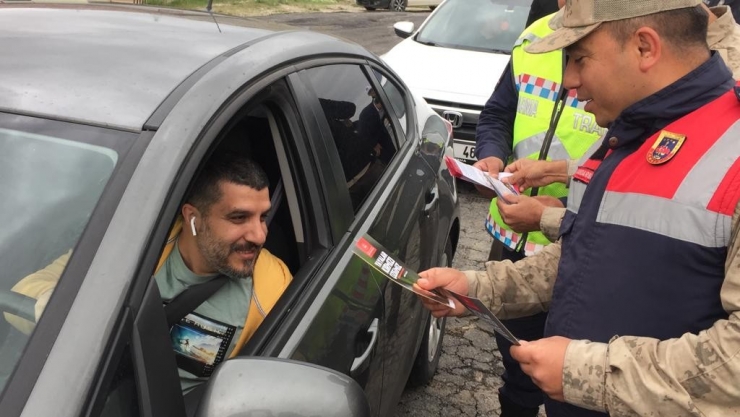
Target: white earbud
(192, 226)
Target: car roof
(107, 65)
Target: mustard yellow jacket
(271, 277)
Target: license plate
(464, 152)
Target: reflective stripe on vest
(682, 199)
(538, 78)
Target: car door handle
(431, 200)
(360, 364)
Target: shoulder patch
(665, 147)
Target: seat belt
(187, 301)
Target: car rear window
(482, 25)
(52, 175)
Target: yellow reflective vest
(538, 80)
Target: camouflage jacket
(694, 375)
(723, 36)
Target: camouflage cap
(580, 17)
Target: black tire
(370, 8)
(427, 359)
(397, 5)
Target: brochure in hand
(476, 176)
(381, 259)
(374, 254)
(480, 310)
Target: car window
(359, 122)
(50, 182)
(395, 97)
(484, 25)
(122, 399)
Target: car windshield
(50, 182)
(480, 25)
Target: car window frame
(27, 370)
(332, 176)
(402, 134)
(411, 133)
(253, 96)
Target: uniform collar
(722, 27)
(697, 88)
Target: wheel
(397, 5)
(369, 8)
(430, 350)
(425, 365)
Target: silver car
(107, 113)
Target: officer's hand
(522, 213)
(447, 278)
(543, 361)
(492, 166)
(528, 173)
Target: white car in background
(456, 57)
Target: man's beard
(216, 254)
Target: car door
(380, 319)
(409, 224)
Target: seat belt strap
(187, 301)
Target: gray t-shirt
(202, 340)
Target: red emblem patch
(665, 147)
(366, 247)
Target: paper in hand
(476, 176)
(380, 259)
(479, 309)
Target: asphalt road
(470, 367)
(373, 30)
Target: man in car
(220, 233)
(642, 289)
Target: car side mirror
(278, 387)
(403, 29)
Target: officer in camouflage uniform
(643, 287)
(723, 36)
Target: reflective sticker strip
(532, 248)
(572, 101)
(533, 144)
(538, 87)
(685, 176)
(507, 237)
(698, 188)
(726, 198)
(547, 89)
(690, 198)
(665, 217)
(575, 195)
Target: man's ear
(649, 47)
(188, 211)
